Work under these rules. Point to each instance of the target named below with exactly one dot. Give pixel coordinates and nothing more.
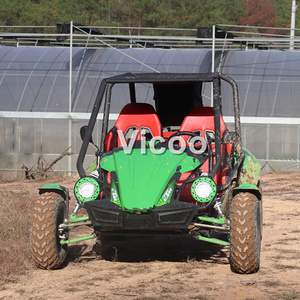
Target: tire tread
(244, 242)
(42, 232)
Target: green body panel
(142, 178)
(115, 198)
(250, 170)
(249, 176)
(246, 186)
(52, 186)
(250, 188)
(167, 195)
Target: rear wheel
(245, 233)
(48, 214)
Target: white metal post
(293, 21)
(213, 48)
(298, 147)
(213, 62)
(70, 100)
(268, 146)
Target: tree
(284, 10)
(147, 13)
(259, 13)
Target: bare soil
(167, 267)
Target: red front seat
(134, 116)
(201, 120)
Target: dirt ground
(176, 267)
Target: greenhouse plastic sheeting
(36, 79)
(269, 82)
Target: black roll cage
(133, 78)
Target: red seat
(201, 119)
(134, 116)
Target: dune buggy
(170, 166)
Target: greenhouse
(46, 95)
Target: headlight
(203, 189)
(87, 189)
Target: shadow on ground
(148, 248)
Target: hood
(140, 180)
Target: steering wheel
(179, 133)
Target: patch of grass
(283, 267)
(72, 289)
(17, 200)
(9, 176)
(279, 256)
(21, 291)
(166, 289)
(143, 297)
(284, 256)
(296, 256)
(270, 283)
(15, 216)
(288, 251)
(191, 265)
(133, 269)
(282, 242)
(198, 297)
(268, 224)
(286, 296)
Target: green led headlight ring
(87, 189)
(206, 186)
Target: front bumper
(108, 216)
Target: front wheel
(48, 214)
(245, 233)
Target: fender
(250, 188)
(54, 187)
(249, 176)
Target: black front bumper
(108, 216)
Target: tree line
(147, 13)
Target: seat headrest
(201, 118)
(139, 115)
(137, 109)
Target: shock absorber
(218, 207)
